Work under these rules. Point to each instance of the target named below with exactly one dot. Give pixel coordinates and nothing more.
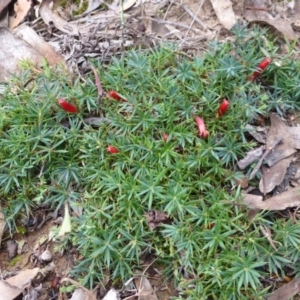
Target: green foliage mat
(48, 156)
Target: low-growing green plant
(208, 246)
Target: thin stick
(263, 157)
(194, 16)
(256, 8)
(176, 24)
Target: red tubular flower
(203, 133)
(223, 107)
(112, 149)
(115, 96)
(67, 106)
(260, 68)
(165, 136)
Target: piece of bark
(265, 17)
(274, 175)
(251, 156)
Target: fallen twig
(267, 151)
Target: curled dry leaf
(224, 12)
(49, 17)
(265, 17)
(126, 5)
(274, 175)
(21, 7)
(155, 218)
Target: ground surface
(32, 249)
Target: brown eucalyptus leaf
(290, 198)
(155, 218)
(38, 43)
(126, 5)
(50, 17)
(287, 291)
(224, 12)
(280, 24)
(274, 175)
(92, 5)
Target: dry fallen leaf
(93, 4)
(13, 286)
(277, 155)
(144, 288)
(224, 12)
(287, 291)
(290, 198)
(264, 16)
(21, 7)
(38, 43)
(155, 218)
(88, 294)
(274, 175)
(295, 132)
(12, 50)
(78, 294)
(3, 4)
(126, 5)
(112, 294)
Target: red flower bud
(116, 96)
(112, 149)
(260, 68)
(203, 133)
(165, 136)
(223, 107)
(67, 106)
